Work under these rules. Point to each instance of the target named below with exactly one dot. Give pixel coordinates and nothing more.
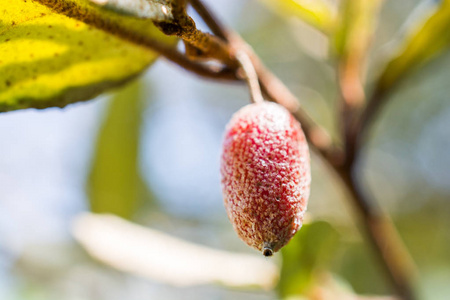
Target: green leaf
(115, 184)
(359, 267)
(356, 26)
(307, 253)
(318, 13)
(352, 41)
(157, 10)
(48, 59)
(423, 42)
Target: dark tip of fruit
(267, 252)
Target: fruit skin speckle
(266, 175)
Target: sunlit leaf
(356, 26)
(157, 10)
(47, 59)
(308, 252)
(424, 41)
(115, 184)
(318, 13)
(352, 40)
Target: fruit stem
(250, 76)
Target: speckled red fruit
(265, 175)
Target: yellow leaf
(356, 26)
(352, 41)
(425, 40)
(48, 59)
(115, 185)
(318, 13)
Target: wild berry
(265, 175)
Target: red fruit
(265, 175)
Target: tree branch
(213, 23)
(380, 231)
(378, 227)
(91, 17)
(358, 132)
(271, 86)
(382, 235)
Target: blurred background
(149, 154)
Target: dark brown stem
(358, 132)
(208, 46)
(213, 23)
(352, 98)
(208, 71)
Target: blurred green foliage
(115, 185)
(425, 38)
(308, 253)
(355, 28)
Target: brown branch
(380, 231)
(352, 99)
(359, 130)
(271, 86)
(213, 23)
(276, 91)
(93, 18)
(352, 58)
(208, 46)
(390, 250)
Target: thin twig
(250, 76)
